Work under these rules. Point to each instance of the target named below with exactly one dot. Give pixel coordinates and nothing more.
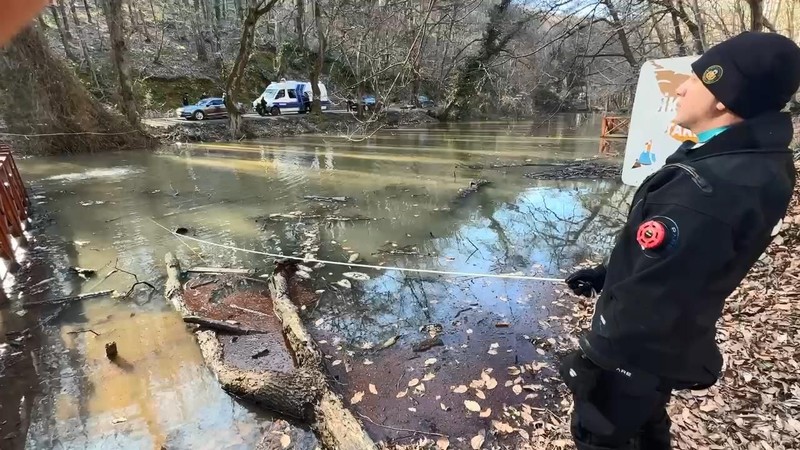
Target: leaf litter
(754, 406)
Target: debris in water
(344, 283)
(81, 243)
(304, 268)
(83, 273)
(357, 397)
(389, 342)
(181, 230)
(111, 350)
(302, 274)
(326, 199)
(319, 291)
(358, 276)
(427, 344)
(353, 258)
(119, 420)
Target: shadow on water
(106, 210)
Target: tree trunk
(119, 56)
(217, 10)
(237, 4)
(88, 13)
(199, 40)
(62, 12)
(622, 35)
(662, 40)
(701, 24)
(62, 32)
(43, 97)
(255, 9)
(471, 75)
(74, 13)
(131, 16)
(301, 392)
(676, 25)
(298, 23)
(693, 28)
(756, 15)
(316, 104)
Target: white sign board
(653, 136)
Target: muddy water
(106, 211)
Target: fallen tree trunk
(301, 392)
(218, 325)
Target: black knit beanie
(751, 73)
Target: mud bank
(340, 123)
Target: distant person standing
(185, 99)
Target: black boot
(655, 433)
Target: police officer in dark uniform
(694, 229)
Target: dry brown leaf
(491, 383)
(444, 408)
(442, 443)
(502, 427)
(373, 389)
(413, 382)
(517, 389)
(460, 389)
(429, 376)
(477, 441)
(430, 361)
(336, 363)
(477, 384)
(286, 441)
(420, 387)
(525, 435)
(479, 393)
(513, 371)
(412, 409)
(486, 413)
(357, 397)
(472, 405)
(402, 393)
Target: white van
(289, 97)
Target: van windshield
(269, 93)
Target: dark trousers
(639, 417)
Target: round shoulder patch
(712, 74)
(651, 235)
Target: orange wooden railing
(613, 127)
(14, 205)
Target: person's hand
(586, 281)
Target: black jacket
(719, 203)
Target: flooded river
(403, 208)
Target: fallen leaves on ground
(477, 442)
(461, 389)
(472, 405)
(486, 413)
(373, 389)
(357, 397)
(413, 382)
(286, 441)
(442, 443)
(429, 376)
(430, 361)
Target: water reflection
(103, 209)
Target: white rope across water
(511, 276)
